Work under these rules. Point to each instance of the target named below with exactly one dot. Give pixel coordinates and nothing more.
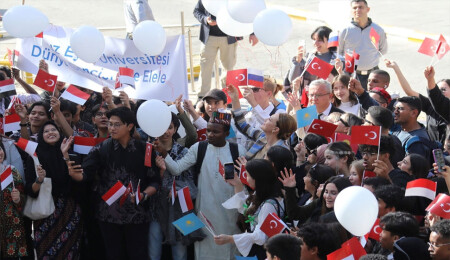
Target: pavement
(406, 22)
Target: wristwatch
(37, 181)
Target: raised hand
(287, 178)
(65, 145)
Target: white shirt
(349, 108)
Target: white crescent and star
(203, 137)
(330, 140)
(276, 224)
(442, 206)
(373, 137)
(314, 126)
(348, 64)
(315, 63)
(50, 80)
(376, 228)
(242, 77)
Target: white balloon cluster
(242, 17)
(87, 42)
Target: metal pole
(216, 72)
(191, 62)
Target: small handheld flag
(243, 175)
(374, 38)
(75, 95)
(375, 231)
(7, 88)
(28, 146)
(369, 135)
(440, 206)
(209, 226)
(320, 68)
(148, 154)
(83, 145)
(333, 41)
(184, 196)
(422, 188)
(306, 115)
(201, 135)
(138, 193)
(126, 194)
(272, 225)
(126, 76)
(11, 123)
(6, 177)
(221, 168)
(322, 128)
(114, 193)
(188, 224)
(45, 81)
(173, 191)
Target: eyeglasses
(368, 154)
(255, 90)
(100, 114)
(434, 246)
(115, 125)
(318, 95)
(399, 108)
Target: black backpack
(202, 146)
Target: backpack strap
(202, 146)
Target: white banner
(162, 77)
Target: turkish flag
(201, 135)
(440, 206)
(319, 68)
(45, 81)
(432, 47)
(375, 231)
(243, 175)
(340, 137)
(349, 63)
(237, 77)
(368, 174)
(272, 225)
(351, 249)
(374, 37)
(148, 154)
(369, 135)
(323, 128)
(228, 97)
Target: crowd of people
(292, 173)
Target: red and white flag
(273, 225)
(184, 196)
(114, 193)
(201, 135)
(340, 137)
(350, 250)
(148, 154)
(138, 193)
(349, 63)
(11, 123)
(221, 169)
(13, 56)
(126, 76)
(422, 188)
(374, 37)
(369, 135)
(7, 88)
(356, 56)
(440, 206)
(320, 68)
(83, 145)
(237, 77)
(243, 175)
(6, 177)
(45, 81)
(28, 146)
(432, 47)
(173, 191)
(75, 95)
(368, 174)
(375, 231)
(125, 195)
(11, 107)
(323, 128)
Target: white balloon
(213, 6)
(149, 37)
(24, 21)
(356, 208)
(87, 43)
(232, 27)
(181, 131)
(272, 27)
(245, 11)
(154, 117)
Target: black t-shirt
(215, 30)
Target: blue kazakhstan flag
(306, 115)
(188, 224)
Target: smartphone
(229, 171)
(76, 158)
(439, 159)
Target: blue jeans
(179, 252)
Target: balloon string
(272, 63)
(246, 51)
